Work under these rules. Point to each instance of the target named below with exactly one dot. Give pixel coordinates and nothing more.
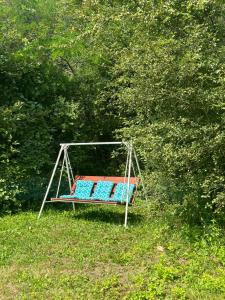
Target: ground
(88, 254)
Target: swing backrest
(117, 182)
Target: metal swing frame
(131, 163)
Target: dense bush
(98, 70)
(173, 101)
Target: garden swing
(109, 190)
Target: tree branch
(68, 64)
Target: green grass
(90, 255)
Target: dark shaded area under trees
(151, 71)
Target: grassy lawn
(90, 255)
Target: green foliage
(50, 84)
(151, 71)
(170, 88)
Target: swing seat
(100, 190)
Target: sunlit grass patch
(88, 254)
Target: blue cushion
(82, 191)
(120, 193)
(103, 190)
(66, 196)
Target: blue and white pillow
(103, 190)
(82, 191)
(120, 194)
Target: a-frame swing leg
(128, 183)
(72, 176)
(69, 169)
(140, 175)
(50, 182)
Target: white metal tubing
(60, 177)
(90, 144)
(125, 175)
(64, 147)
(128, 185)
(133, 170)
(139, 171)
(93, 143)
(68, 171)
(70, 168)
(69, 164)
(50, 182)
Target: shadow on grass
(53, 206)
(107, 216)
(95, 213)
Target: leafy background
(150, 71)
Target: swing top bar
(93, 143)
